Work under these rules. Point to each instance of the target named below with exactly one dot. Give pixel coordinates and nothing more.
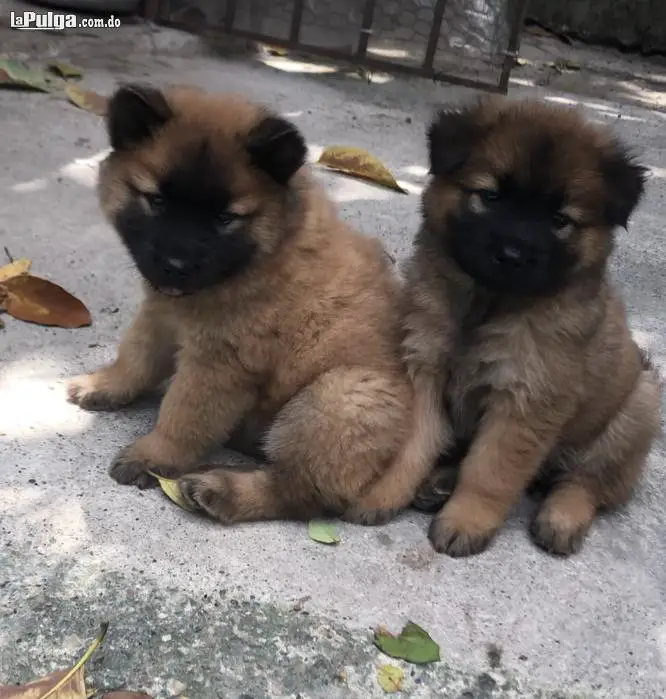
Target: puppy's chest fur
(490, 354)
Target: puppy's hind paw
(86, 392)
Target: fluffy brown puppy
(269, 315)
(526, 370)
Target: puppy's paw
(211, 493)
(128, 468)
(89, 393)
(464, 527)
(359, 514)
(436, 490)
(558, 536)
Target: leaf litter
(358, 162)
(323, 532)
(36, 300)
(413, 644)
(172, 490)
(390, 678)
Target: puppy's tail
(429, 436)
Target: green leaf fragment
(323, 532)
(17, 74)
(413, 645)
(65, 70)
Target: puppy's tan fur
(302, 350)
(549, 391)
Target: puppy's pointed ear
(451, 137)
(625, 184)
(277, 147)
(134, 114)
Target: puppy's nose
(512, 255)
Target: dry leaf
(65, 70)
(86, 99)
(15, 269)
(63, 684)
(323, 532)
(359, 163)
(126, 695)
(38, 300)
(74, 687)
(172, 490)
(390, 678)
(17, 74)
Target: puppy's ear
(277, 147)
(451, 137)
(624, 180)
(135, 112)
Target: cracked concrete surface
(199, 610)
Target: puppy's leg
(145, 358)
(396, 488)
(503, 458)
(603, 476)
(201, 408)
(326, 447)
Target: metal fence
(464, 42)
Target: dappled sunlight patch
(36, 406)
(84, 171)
(35, 185)
(291, 65)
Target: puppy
(267, 313)
(527, 375)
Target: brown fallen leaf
(38, 300)
(86, 99)
(15, 269)
(62, 684)
(359, 163)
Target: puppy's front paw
(129, 468)
(436, 490)
(370, 517)
(90, 393)
(464, 527)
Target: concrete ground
(257, 611)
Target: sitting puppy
(267, 312)
(526, 371)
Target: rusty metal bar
(151, 10)
(433, 39)
(513, 46)
(296, 19)
(367, 61)
(230, 15)
(366, 29)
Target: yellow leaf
(65, 70)
(15, 269)
(86, 99)
(172, 490)
(390, 678)
(359, 163)
(38, 300)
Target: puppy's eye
(155, 200)
(487, 196)
(226, 218)
(561, 220)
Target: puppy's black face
(510, 239)
(183, 235)
(524, 196)
(196, 200)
